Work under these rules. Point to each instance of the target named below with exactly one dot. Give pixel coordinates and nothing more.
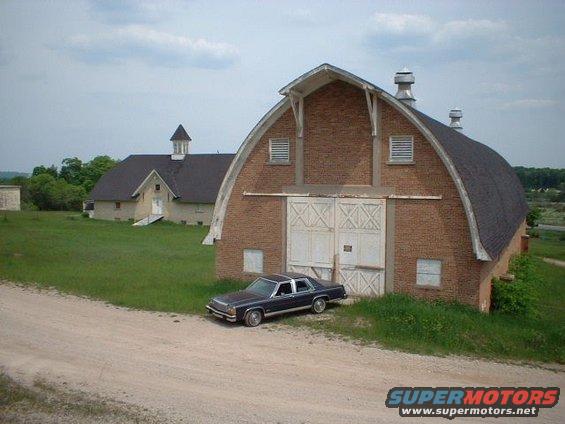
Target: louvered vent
(280, 150)
(401, 149)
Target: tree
(72, 171)
(38, 170)
(533, 217)
(93, 170)
(39, 186)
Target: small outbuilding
(342, 180)
(179, 187)
(9, 198)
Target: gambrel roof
(492, 196)
(195, 179)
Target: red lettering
(505, 396)
(520, 397)
(550, 398)
(535, 397)
(490, 397)
(473, 397)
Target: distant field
(164, 267)
(549, 244)
(159, 267)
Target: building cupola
(180, 141)
(456, 114)
(404, 79)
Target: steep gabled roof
(492, 196)
(180, 134)
(195, 179)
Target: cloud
(528, 104)
(427, 40)
(131, 11)
(152, 47)
(300, 16)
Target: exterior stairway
(148, 220)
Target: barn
(179, 187)
(342, 180)
(9, 198)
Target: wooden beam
(342, 195)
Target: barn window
(428, 272)
(253, 261)
(401, 149)
(279, 149)
(157, 187)
(118, 205)
(199, 208)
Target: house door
(157, 206)
(350, 232)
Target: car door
(304, 293)
(284, 298)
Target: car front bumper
(220, 314)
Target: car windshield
(262, 287)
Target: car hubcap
(319, 305)
(255, 318)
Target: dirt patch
(203, 370)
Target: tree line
(50, 188)
(541, 178)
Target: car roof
(284, 277)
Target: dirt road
(198, 370)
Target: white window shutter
(401, 149)
(253, 261)
(428, 272)
(279, 150)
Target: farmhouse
(343, 180)
(9, 198)
(179, 187)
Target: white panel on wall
(428, 272)
(253, 261)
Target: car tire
(319, 305)
(253, 318)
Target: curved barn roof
(492, 196)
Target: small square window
(428, 272)
(183, 222)
(401, 149)
(279, 150)
(157, 187)
(118, 205)
(199, 223)
(253, 261)
(199, 208)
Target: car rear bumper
(220, 314)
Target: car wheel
(319, 305)
(253, 318)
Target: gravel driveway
(200, 370)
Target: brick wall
(338, 151)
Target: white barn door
(354, 229)
(361, 245)
(310, 236)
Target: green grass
(550, 244)
(164, 267)
(399, 322)
(160, 267)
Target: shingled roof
(496, 194)
(195, 179)
(180, 134)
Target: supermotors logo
(452, 402)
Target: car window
(262, 287)
(302, 286)
(284, 288)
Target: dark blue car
(273, 295)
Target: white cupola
(180, 141)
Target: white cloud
(153, 47)
(402, 24)
(528, 104)
(300, 16)
(132, 11)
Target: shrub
(516, 297)
(533, 217)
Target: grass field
(164, 267)
(159, 267)
(550, 244)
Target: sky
(86, 78)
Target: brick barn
(342, 180)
